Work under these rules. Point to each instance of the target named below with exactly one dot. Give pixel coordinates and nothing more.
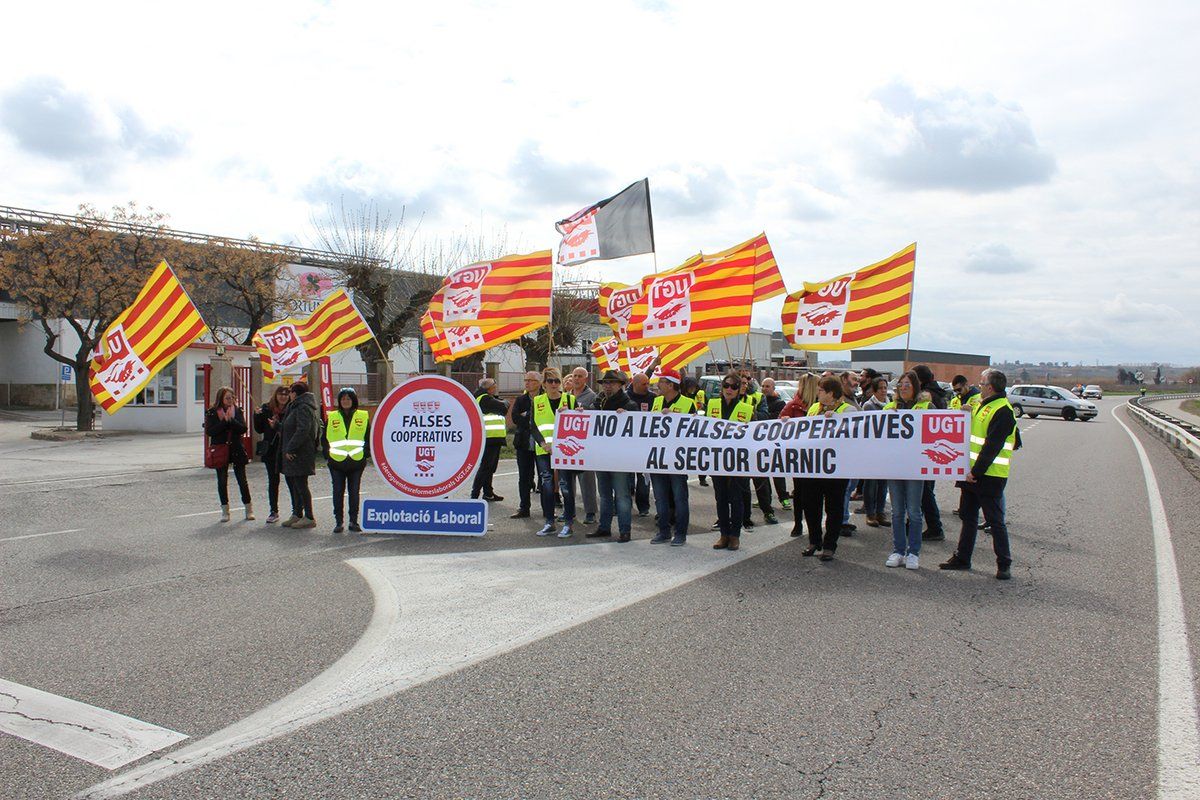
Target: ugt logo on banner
(571, 437)
(941, 440)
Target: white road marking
(38, 535)
(104, 738)
(437, 614)
(1178, 737)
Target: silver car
(1030, 401)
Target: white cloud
(996, 259)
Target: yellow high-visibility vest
(815, 409)
(742, 411)
(682, 404)
(980, 419)
(494, 426)
(543, 418)
(345, 444)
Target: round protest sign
(427, 436)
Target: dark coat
(773, 405)
(522, 419)
(269, 446)
(620, 400)
(298, 432)
(227, 432)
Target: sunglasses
(552, 380)
(731, 385)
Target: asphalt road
(552, 675)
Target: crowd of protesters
(293, 433)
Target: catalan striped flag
(679, 355)
(616, 301)
(703, 302)
(143, 339)
(507, 291)
(637, 359)
(458, 341)
(334, 325)
(607, 352)
(853, 310)
(768, 282)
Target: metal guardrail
(1178, 433)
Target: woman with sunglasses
(728, 489)
(825, 493)
(266, 422)
(906, 495)
(545, 407)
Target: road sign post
(426, 441)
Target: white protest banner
(897, 445)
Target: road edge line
(1178, 736)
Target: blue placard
(64, 373)
(432, 517)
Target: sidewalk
(26, 460)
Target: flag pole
(912, 293)
(650, 219)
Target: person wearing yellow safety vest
(752, 393)
(347, 446)
(993, 440)
(671, 489)
(691, 388)
(965, 395)
(545, 407)
(728, 488)
(828, 494)
(495, 430)
(907, 514)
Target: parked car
(1093, 392)
(1031, 400)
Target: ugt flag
(335, 325)
(613, 228)
(146, 337)
(853, 310)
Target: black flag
(613, 228)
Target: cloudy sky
(1042, 155)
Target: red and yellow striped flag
(616, 302)
(457, 341)
(768, 282)
(146, 337)
(607, 352)
(857, 309)
(507, 291)
(334, 325)
(706, 301)
(679, 355)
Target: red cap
(671, 375)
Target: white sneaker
(911, 561)
(547, 529)
(895, 560)
(565, 533)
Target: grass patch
(1191, 406)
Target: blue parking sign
(64, 373)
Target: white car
(1028, 400)
(1093, 392)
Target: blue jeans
(929, 508)
(906, 516)
(566, 485)
(614, 491)
(846, 502)
(874, 497)
(671, 500)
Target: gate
(241, 396)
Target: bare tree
(392, 270)
(240, 285)
(571, 314)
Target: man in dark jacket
(772, 404)
(520, 419)
(298, 432)
(614, 488)
(643, 397)
(985, 483)
(495, 411)
(934, 532)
